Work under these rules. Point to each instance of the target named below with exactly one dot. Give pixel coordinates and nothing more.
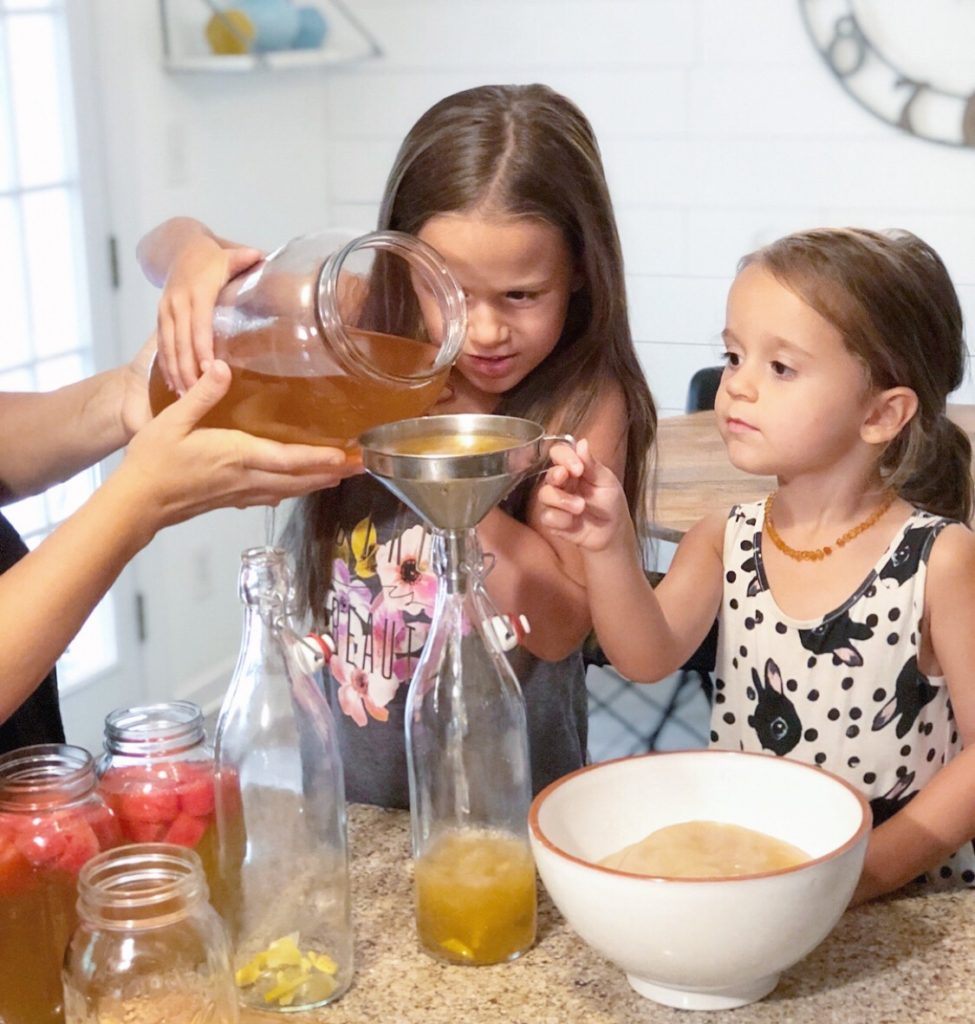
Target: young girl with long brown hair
(507, 183)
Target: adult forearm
(47, 596)
(53, 435)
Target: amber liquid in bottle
(475, 897)
(270, 398)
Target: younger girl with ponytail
(846, 598)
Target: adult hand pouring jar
(327, 338)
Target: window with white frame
(45, 341)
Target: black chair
(702, 388)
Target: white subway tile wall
(720, 127)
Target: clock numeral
(848, 48)
(904, 119)
(968, 122)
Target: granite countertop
(904, 959)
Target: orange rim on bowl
(866, 818)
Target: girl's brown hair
(891, 298)
(523, 151)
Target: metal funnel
(452, 470)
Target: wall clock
(909, 62)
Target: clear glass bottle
(281, 818)
(52, 821)
(470, 780)
(148, 946)
(156, 773)
(329, 336)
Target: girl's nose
(484, 325)
(740, 382)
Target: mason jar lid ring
(150, 730)
(44, 776)
(141, 885)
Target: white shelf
(281, 60)
(185, 51)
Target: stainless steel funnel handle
(545, 442)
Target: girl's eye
(518, 296)
(731, 358)
(780, 369)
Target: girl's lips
(736, 426)
(490, 366)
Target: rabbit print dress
(843, 691)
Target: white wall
(720, 126)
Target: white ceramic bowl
(700, 943)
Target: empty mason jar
(148, 946)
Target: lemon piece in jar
(284, 952)
(458, 948)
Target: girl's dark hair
(891, 298)
(523, 151)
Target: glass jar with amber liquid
(52, 822)
(157, 775)
(148, 946)
(326, 339)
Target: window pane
(17, 380)
(56, 373)
(15, 349)
(6, 136)
(45, 340)
(93, 650)
(28, 516)
(34, 52)
(68, 497)
(51, 270)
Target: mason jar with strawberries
(156, 774)
(52, 822)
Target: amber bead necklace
(818, 554)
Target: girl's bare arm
(941, 818)
(645, 633)
(191, 264)
(649, 633)
(539, 574)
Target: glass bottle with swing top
(466, 731)
(283, 885)
(470, 777)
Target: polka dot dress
(842, 691)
